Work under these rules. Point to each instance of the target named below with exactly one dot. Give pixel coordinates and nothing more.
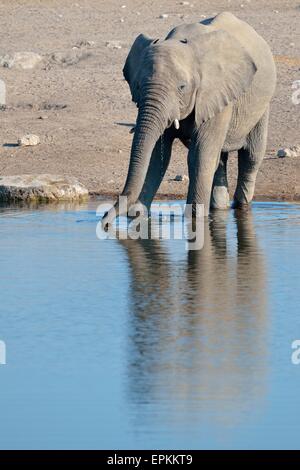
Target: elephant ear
(133, 62)
(226, 71)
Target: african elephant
(208, 84)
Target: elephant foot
(220, 198)
(241, 206)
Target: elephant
(208, 84)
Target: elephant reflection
(198, 324)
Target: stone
(29, 140)
(163, 16)
(292, 152)
(43, 188)
(113, 45)
(6, 61)
(26, 60)
(296, 151)
(282, 153)
(69, 58)
(84, 43)
(181, 178)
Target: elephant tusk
(176, 124)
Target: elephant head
(196, 69)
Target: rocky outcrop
(44, 188)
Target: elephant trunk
(151, 123)
(153, 118)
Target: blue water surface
(116, 344)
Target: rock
(84, 43)
(282, 153)
(163, 16)
(29, 140)
(45, 188)
(69, 58)
(6, 61)
(292, 152)
(48, 106)
(113, 45)
(295, 151)
(25, 60)
(181, 178)
(184, 3)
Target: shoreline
(175, 196)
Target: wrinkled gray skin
(216, 78)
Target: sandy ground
(81, 108)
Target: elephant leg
(220, 194)
(159, 162)
(249, 161)
(204, 157)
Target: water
(141, 344)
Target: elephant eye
(182, 86)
